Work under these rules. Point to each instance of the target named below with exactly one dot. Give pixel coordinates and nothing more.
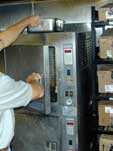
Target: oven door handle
(47, 103)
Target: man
(15, 93)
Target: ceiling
(5, 1)
(1, 1)
(74, 2)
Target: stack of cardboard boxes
(106, 12)
(106, 142)
(105, 79)
(106, 44)
(105, 109)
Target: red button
(68, 51)
(70, 123)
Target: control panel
(69, 98)
(70, 131)
(68, 75)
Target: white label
(70, 130)
(111, 23)
(108, 88)
(111, 99)
(107, 109)
(68, 60)
(69, 111)
(109, 15)
(109, 53)
(111, 111)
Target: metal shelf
(104, 61)
(105, 96)
(101, 130)
(99, 24)
(104, 130)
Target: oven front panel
(37, 133)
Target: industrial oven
(58, 121)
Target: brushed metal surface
(24, 60)
(36, 132)
(48, 24)
(69, 10)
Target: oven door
(22, 60)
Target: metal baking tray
(48, 25)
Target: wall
(69, 10)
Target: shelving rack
(96, 97)
(96, 60)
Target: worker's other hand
(33, 21)
(37, 89)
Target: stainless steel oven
(58, 122)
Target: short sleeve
(13, 93)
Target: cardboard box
(106, 44)
(106, 12)
(105, 78)
(105, 142)
(105, 113)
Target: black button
(66, 93)
(70, 142)
(68, 72)
(53, 146)
(71, 93)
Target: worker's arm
(3, 149)
(10, 34)
(14, 94)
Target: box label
(109, 53)
(109, 14)
(108, 88)
(109, 109)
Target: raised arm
(11, 34)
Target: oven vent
(84, 52)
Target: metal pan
(48, 25)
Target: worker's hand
(33, 77)
(33, 21)
(3, 149)
(37, 89)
